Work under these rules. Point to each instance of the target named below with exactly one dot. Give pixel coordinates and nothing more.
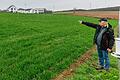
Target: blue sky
(59, 4)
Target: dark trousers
(103, 58)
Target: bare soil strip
(98, 14)
(68, 72)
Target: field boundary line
(68, 72)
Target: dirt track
(68, 72)
(99, 14)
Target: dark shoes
(102, 68)
(99, 68)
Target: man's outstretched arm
(89, 24)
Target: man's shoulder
(110, 29)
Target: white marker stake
(119, 22)
(119, 67)
(117, 53)
(119, 45)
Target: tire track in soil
(68, 72)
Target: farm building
(39, 10)
(21, 10)
(28, 10)
(12, 8)
(32, 10)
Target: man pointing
(104, 39)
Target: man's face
(103, 23)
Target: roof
(21, 9)
(11, 6)
(28, 9)
(25, 9)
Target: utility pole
(74, 10)
(25, 4)
(53, 7)
(90, 5)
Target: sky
(59, 4)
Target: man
(104, 39)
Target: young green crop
(88, 72)
(39, 46)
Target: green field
(40, 46)
(88, 72)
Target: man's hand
(109, 50)
(80, 22)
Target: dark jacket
(107, 38)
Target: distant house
(12, 8)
